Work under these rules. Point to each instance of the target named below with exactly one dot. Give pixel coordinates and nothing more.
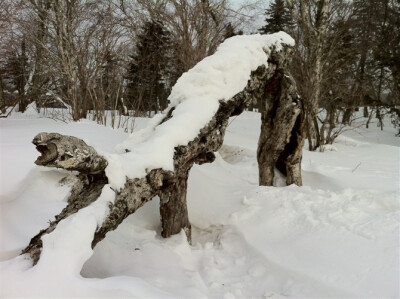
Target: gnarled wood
(69, 153)
(73, 154)
(282, 131)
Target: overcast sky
(256, 9)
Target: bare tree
(197, 27)
(312, 18)
(15, 55)
(76, 38)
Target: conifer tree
(278, 18)
(146, 88)
(109, 80)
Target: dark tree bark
(2, 102)
(347, 115)
(282, 131)
(73, 154)
(365, 111)
(173, 208)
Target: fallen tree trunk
(69, 153)
(96, 178)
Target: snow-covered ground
(337, 236)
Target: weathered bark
(2, 102)
(73, 154)
(282, 131)
(173, 208)
(69, 153)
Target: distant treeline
(98, 55)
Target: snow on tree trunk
(157, 160)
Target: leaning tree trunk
(92, 184)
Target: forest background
(106, 59)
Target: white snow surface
(216, 78)
(335, 237)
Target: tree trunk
(347, 116)
(173, 208)
(313, 20)
(379, 117)
(23, 103)
(2, 102)
(282, 131)
(332, 118)
(369, 118)
(365, 111)
(39, 78)
(292, 155)
(73, 154)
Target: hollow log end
(48, 154)
(47, 149)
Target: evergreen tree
(278, 18)
(110, 81)
(377, 35)
(146, 88)
(15, 75)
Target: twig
(356, 167)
